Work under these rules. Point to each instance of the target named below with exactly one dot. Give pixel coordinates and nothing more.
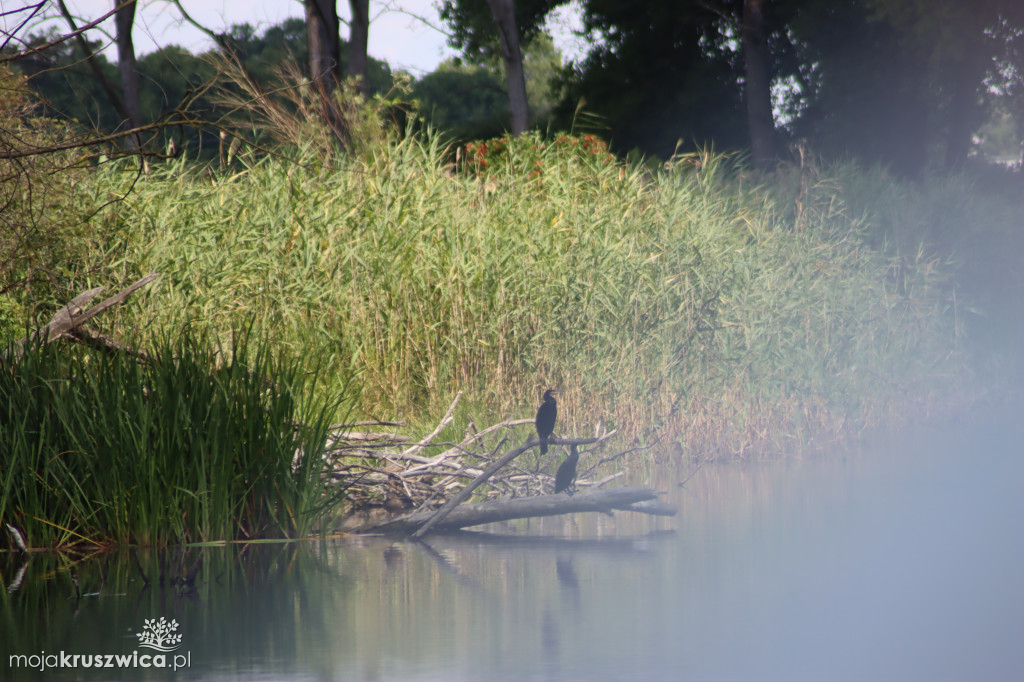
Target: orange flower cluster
(490, 154)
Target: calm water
(901, 562)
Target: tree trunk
(325, 63)
(504, 12)
(760, 121)
(124, 19)
(962, 114)
(324, 43)
(358, 42)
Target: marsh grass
(202, 443)
(729, 316)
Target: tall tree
(324, 45)
(322, 27)
(760, 121)
(504, 12)
(959, 42)
(124, 20)
(470, 100)
(95, 61)
(864, 95)
(499, 27)
(358, 42)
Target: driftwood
(70, 318)
(433, 490)
(386, 472)
(632, 498)
(472, 467)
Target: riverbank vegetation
(193, 443)
(690, 302)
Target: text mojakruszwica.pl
(43, 661)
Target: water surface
(902, 561)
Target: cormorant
(546, 415)
(566, 474)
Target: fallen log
(630, 498)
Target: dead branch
(444, 422)
(465, 492)
(625, 498)
(72, 315)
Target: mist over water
(901, 561)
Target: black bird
(566, 474)
(546, 415)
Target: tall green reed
(201, 442)
(687, 301)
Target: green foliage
(1000, 139)
(45, 204)
(469, 100)
(12, 319)
(61, 77)
(198, 443)
(663, 74)
(685, 302)
(867, 98)
(464, 100)
(172, 77)
(473, 29)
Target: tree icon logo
(158, 634)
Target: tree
(358, 43)
(959, 42)
(124, 20)
(662, 74)
(499, 28)
(504, 12)
(903, 82)
(63, 73)
(324, 43)
(470, 100)
(467, 100)
(864, 95)
(760, 121)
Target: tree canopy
(906, 83)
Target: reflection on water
(902, 562)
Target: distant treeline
(915, 86)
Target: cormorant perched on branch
(546, 415)
(566, 474)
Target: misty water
(902, 560)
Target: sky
(396, 34)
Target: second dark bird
(566, 474)
(546, 415)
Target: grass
(731, 316)
(195, 445)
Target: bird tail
(543, 446)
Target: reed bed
(690, 303)
(197, 443)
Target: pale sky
(396, 37)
